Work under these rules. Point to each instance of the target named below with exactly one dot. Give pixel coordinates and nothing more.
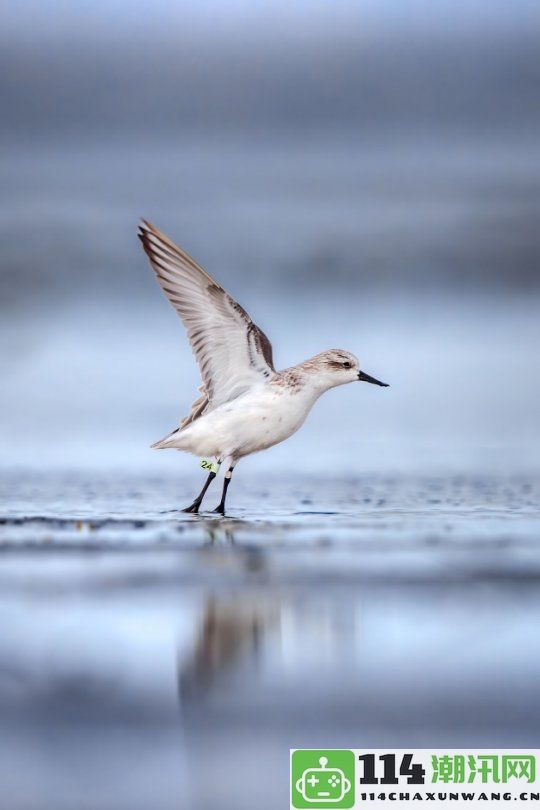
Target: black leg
(220, 509)
(194, 508)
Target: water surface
(154, 659)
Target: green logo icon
(323, 779)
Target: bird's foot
(219, 510)
(193, 509)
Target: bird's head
(337, 367)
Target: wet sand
(154, 659)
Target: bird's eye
(346, 364)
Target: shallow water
(154, 659)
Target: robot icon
(323, 784)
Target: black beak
(363, 377)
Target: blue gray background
(361, 175)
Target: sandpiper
(245, 404)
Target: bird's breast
(269, 418)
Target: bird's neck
(305, 379)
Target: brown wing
(232, 352)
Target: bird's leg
(194, 508)
(220, 509)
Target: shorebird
(245, 404)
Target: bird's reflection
(218, 531)
(230, 634)
(244, 633)
(264, 656)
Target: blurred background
(358, 174)
(362, 174)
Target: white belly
(252, 422)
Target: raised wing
(232, 352)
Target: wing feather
(233, 354)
